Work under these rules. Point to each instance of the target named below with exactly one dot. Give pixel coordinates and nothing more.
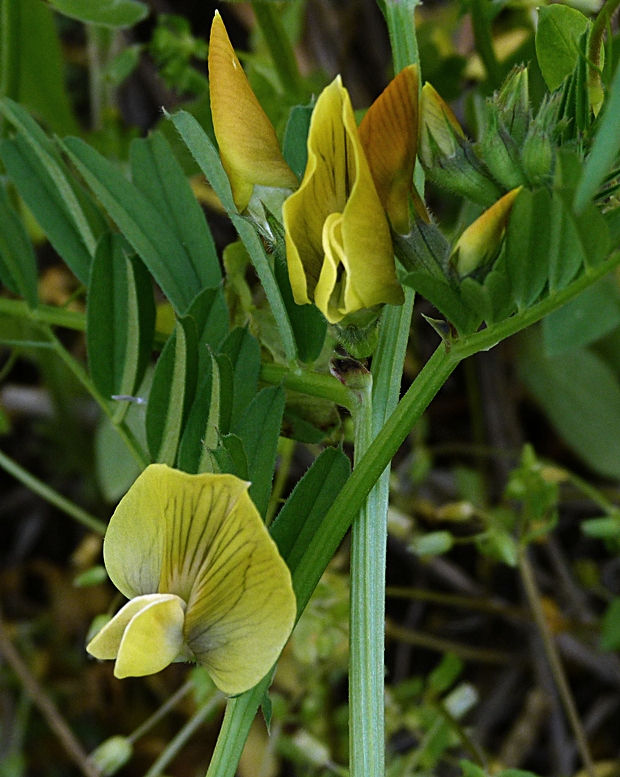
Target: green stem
(367, 615)
(280, 48)
(484, 41)
(401, 27)
(314, 384)
(43, 314)
(165, 708)
(239, 715)
(179, 741)
(51, 496)
(10, 21)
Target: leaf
(581, 396)
(173, 389)
(610, 626)
(18, 263)
(205, 153)
(566, 250)
(557, 38)
(110, 13)
(42, 68)
(243, 350)
(301, 516)
(527, 246)
(259, 430)
(308, 323)
(120, 319)
(586, 318)
(141, 223)
(210, 312)
(158, 175)
(295, 147)
(201, 430)
(227, 378)
(38, 192)
(605, 148)
(230, 456)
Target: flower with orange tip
(481, 240)
(389, 136)
(249, 148)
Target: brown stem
(555, 662)
(46, 707)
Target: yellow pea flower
(338, 243)
(204, 579)
(481, 240)
(248, 145)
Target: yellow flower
(204, 580)
(481, 240)
(248, 145)
(440, 130)
(338, 243)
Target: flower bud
(501, 154)
(448, 156)
(112, 755)
(537, 156)
(480, 242)
(512, 104)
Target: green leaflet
(243, 350)
(18, 263)
(259, 430)
(142, 225)
(120, 319)
(158, 175)
(173, 389)
(557, 39)
(110, 13)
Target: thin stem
(430, 642)
(367, 616)
(10, 21)
(53, 497)
(555, 662)
(76, 368)
(44, 314)
(46, 707)
(280, 48)
(484, 41)
(314, 384)
(401, 27)
(165, 708)
(178, 742)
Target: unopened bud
(112, 755)
(512, 104)
(448, 156)
(501, 154)
(480, 242)
(537, 157)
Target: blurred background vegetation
(524, 439)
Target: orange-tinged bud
(440, 124)
(248, 144)
(481, 240)
(389, 136)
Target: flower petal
(338, 181)
(105, 644)
(248, 144)
(389, 136)
(242, 607)
(152, 639)
(437, 121)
